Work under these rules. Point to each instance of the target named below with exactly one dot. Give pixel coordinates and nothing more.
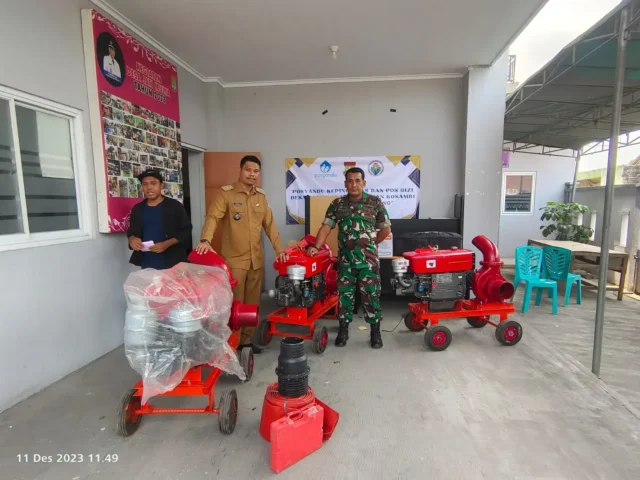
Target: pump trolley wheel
(228, 412)
(411, 323)
(320, 339)
(477, 322)
(437, 337)
(128, 420)
(246, 360)
(509, 332)
(263, 334)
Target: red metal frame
(463, 309)
(192, 385)
(302, 316)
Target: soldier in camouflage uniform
(357, 216)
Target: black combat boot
(343, 335)
(376, 337)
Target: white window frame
(504, 193)
(78, 152)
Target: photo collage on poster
(136, 140)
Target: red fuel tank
(429, 260)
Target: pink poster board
(135, 118)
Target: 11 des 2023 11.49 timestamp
(68, 458)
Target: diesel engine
(437, 277)
(441, 278)
(304, 280)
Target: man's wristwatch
(205, 241)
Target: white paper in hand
(147, 245)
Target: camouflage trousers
(368, 282)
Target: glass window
(518, 190)
(47, 166)
(39, 198)
(10, 205)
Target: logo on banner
(174, 83)
(325, 169)
(376, 168)
(348, 165)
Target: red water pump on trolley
(443, 281)
(306, 290)
(179, 322)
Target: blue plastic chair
(529, 260)
(557, 262)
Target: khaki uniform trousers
(247, 291)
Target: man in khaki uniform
(243, 212)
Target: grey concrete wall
(551, 175)
(463, 137)
(194, 113)
(626, 198)
(196, 184)
(215, 107)
(482, 163)
(62, 306)
(283, 122)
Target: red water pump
(178, 317)
(443, 281)
(303, 280)
(441, 278)
(194, 290)
(242, 315)
(306, 290)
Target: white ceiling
(286, 40)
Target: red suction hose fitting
(243, 315)
(488, 283)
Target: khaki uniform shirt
(242, 216)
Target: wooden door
(220, 168)
(318, 209)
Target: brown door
(220, 168)
(318, 209)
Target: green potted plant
(562, 217)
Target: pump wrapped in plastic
(177, 319)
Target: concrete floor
(475, 411)
(572, 332)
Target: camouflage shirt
(357, 222)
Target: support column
(608, 196)
(575, 177)
(483, 134)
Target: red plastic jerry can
(295, 436)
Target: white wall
(484, 128)
(625, 198)
(551, 175)
(63, 306)
(283, 122)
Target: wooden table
(618, 261)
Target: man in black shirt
(159, 227)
